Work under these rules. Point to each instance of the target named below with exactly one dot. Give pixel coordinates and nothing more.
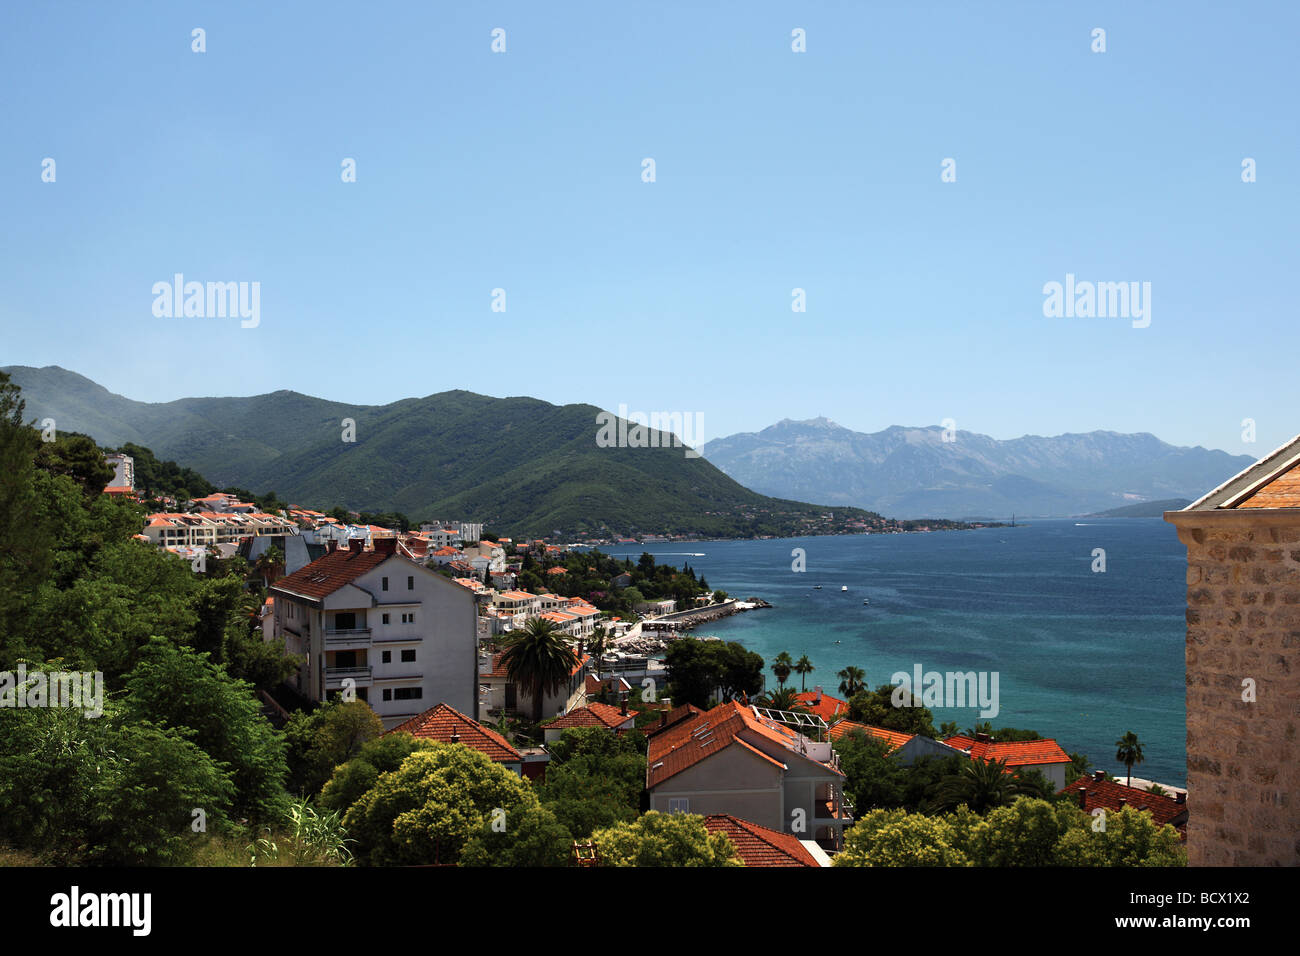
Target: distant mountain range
(519, 465)
(913, 471)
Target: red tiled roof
(1015, 753)
(827, 708)
(894, 738)
(1108, 793)
(327, 574)
(675, 716)
(444, 721)
(760, 846)
(674, 749)
(594, 714)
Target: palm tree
(539, 660)
(852, 680)
(1129, 752)
(787, 698)
(982, 785)
(782, 665)
(803, 667)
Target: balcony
(335, 676)
(337, 639)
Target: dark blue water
(1081, 656)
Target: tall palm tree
(539, 660)
(852, 681)
(803, 667)
(782, 665)
(1129, 752)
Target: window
(408, 693)
(388, 657)
(408, 618)
(388, 694)
(385, 618)
(384, 583)
(410, 582)
(408, 656)
(675, 804)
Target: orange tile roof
(894, 738)
(676, 748)
(1282, 492)
(499, 669)
(444, 721)
(760, 846)
(1015, 753)
(827, 708)
(594, 714)
(1108, 793)
(327, 574)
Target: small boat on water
(817, 587)
(865, 601)
(844, 587)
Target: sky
(774, 170)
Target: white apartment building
(404, 638)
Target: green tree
(879, 709)
(376, 757)
(532, 837)
(899, 838)
(853, 680)
(980, 785)
(787, 698)
(79, 789)
(803, 667)
(319, 740)
(697, 670)
(1129, 752)
(664, 839)
(428, 809)
(79, 458)
(539, 661)
(782, 665)
(181, 689)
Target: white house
(402, 636)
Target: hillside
(520, 465)
(912, 471)
(1145, 509)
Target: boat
(865, 601)
(817, 587)
(844, 587)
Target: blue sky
(774, 170)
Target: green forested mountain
(520, 465)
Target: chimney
(386, 545)
(663, 718)
(983, 738)
(1123, 801)
(1099, 775)
(455, 736)
(1083, 798)
(1180, 798)
(355, 545)
(817, 694)
(331, 545)
(623, 707)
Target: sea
(1081, 619)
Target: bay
(1081, 656)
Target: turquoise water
(1080, 656)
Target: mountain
(913, 471)
(1145, 509)
(520, 465)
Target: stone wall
(1243, 627)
